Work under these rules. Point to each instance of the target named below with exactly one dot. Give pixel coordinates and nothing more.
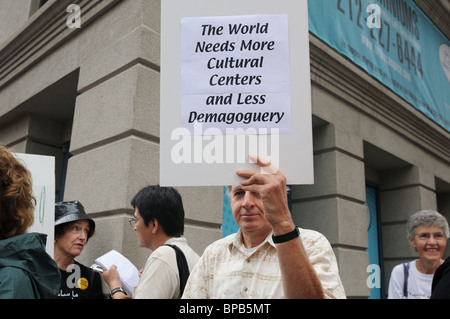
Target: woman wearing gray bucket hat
(73, 228)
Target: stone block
(412, 175)
(341, 221)
(142, 44)
(106, 178)
(335, 174)
(331, 137)
(353, 271)
(124, 104)
(203, 203)
(398, 205)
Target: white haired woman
(428, 232)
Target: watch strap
(286, 237)
(113, 291)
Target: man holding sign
(269, 257)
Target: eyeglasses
(133, 221)
(426, 236)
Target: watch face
(116, 290)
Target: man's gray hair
(427, 218)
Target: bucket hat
(67, 212)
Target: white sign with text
(235, 80)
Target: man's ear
(155, 224)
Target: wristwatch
(112, 292)
(286, 237)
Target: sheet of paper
(129, 274)
(235, 72)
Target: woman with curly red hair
(26, 270)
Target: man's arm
(298, 276)
(300, 281)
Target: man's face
(248, 210)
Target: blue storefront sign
(396, 43)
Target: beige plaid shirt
(227, 270)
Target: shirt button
(245, 289)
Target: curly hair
(16, 196)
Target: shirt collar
(237, 241)
(176, 240)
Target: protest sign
(235, 81)
(42, 169)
